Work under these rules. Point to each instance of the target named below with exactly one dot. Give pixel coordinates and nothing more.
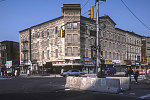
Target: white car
(73, 72)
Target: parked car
(10, 73)
(73, 72)
(109, 71)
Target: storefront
(89, 65)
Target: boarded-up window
(69, 51)
(75, 51)
(75, 38)
(56, 53)
(69, 38)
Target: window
(69, 51)
(48, 32)
(33, 35)
(69, 38)
(75, 38)
(105, 43)
(47, 53)
(114, 57)
(74, 25)
(86, 53)
(56, 29)
(109, 55)
(42, 54)
(75, 51)
(56, 53)
(92, 41)
(105, 54)
(69, 26)
(38, 34)
(42, 33)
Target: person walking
(136, 74)
(16, 73)
(28, 72)
(130, 72)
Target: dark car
(10, 73)
(73, 72)
(109, 71)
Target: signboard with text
(108, 61)
(8, 64)
(88, 62)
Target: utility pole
(97, 37)
(98, 49)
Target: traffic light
(91, 12)
(59, 33)
(63, 33)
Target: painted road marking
(145, 96)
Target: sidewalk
(42, 76)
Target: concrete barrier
(124, 82)
(93, 84)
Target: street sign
(8, 64)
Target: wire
(87, 11)
(84, 4)
(135, 15)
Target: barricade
(93, 84)
(124, 82)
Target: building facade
(145, 51)
(9, 51)
(65, 41)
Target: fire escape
(25, 51)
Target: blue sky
(16, 15)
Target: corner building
(46, 46)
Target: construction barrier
(124, 82)
(93, 84)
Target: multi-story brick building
(9, 51)
(119, 45)
(45, 42)
(145, 51)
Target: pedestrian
(16, 73)
(130, 72)
(136, 74)
(5, 74)
(28, 72)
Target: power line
(84, 4)
(81, 9)
(135, 15)
(87, 11)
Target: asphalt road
(53, 89)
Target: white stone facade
(44, 45)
